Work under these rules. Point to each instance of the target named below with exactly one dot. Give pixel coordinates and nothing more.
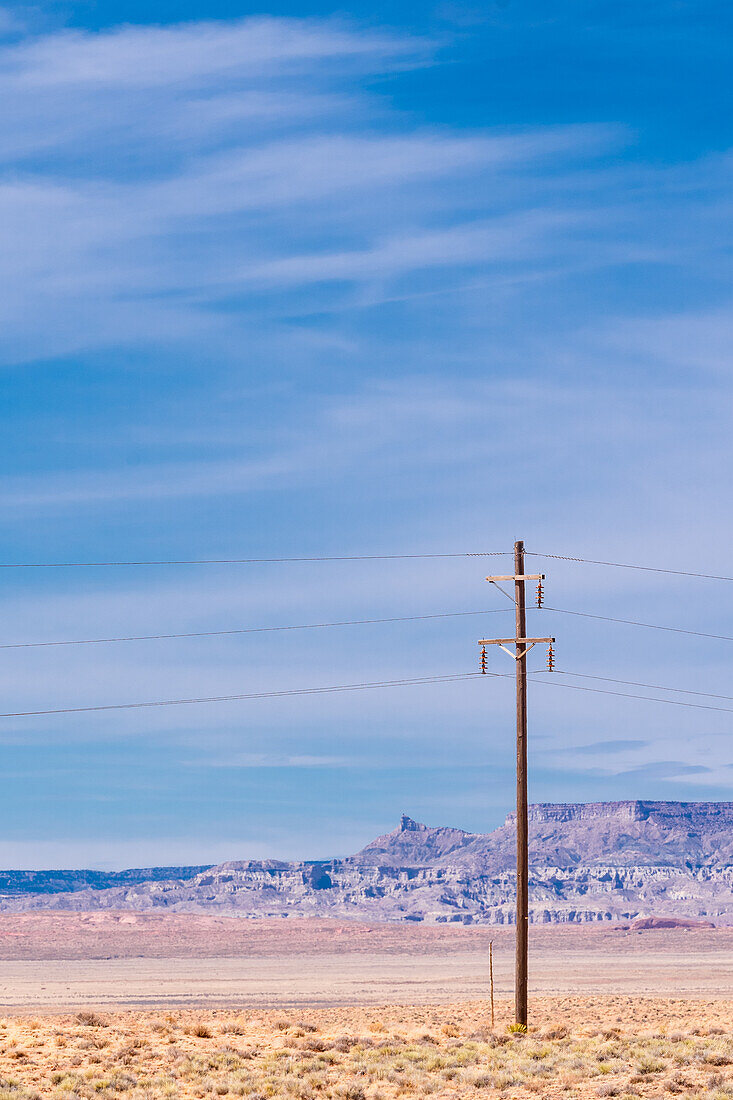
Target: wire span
(249, 630)
(634, 622)
(409, 682)
(623, 565)
(627, 695)
(406, 682)
(247, 561)
(636, 683)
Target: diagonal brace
(528, 643)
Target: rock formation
(604, 861)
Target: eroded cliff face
(589, 862)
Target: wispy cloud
(272, 760)
(259, 130)
(132, 57)
(600, 748)
(478, 243)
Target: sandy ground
(59, 961)
(120, 934)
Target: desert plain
(149, 1005)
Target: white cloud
(272, 760)
(691, 341)
(151, 482)
(476, 243)
(133, 57)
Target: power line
(405, 682)
(246, 561)
(348, 622)
(409, 682)
(623, 565)
(249, 630)
(636, 683)
(627, 695)
(634, 622)
(347, 557)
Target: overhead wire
(248, 630)
(628, 695)
(625, 565)
(635, 622)
(637, 683)
(249, 561)
(350, 558)
(405, 682)
(350, 622)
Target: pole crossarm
(528, 644)
(518, 577)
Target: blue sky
(387, 278)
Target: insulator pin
(483, 660)
(540, 593)
(550, 659)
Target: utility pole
(522, 930)
(522, 645)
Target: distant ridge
(631, 810)
(595, 861)
(54, 882)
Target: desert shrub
(11, 1090)
(352, 1092)
(91, 1019)
(199, 1030)
(556, 1033)
(649, 1065)
(344, 1043)
(316, 1045)
(716, 1058)
(122, 1081)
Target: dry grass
(577, 1047)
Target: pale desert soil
(577, 1048)
(122, 934)
(67, 961)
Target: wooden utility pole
(522, 929)
(522, 645)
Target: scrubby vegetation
(610, 1047)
